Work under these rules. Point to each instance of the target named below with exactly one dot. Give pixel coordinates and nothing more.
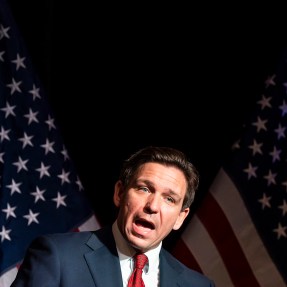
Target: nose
(153, 203)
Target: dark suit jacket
(88, 259)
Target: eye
(170, 200)
(144, 189)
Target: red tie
(136, 277)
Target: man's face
(151, 207)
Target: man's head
(154, 192)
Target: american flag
(238, 235)
(40, 189)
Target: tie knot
(140, 260)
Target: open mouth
(145, 224)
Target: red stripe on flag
(226, 242)
(76, 229)
(182, 253)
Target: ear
(118, 193)
(180, 219)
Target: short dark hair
(163, 155)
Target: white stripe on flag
(227, 196)
(91, 224)
(204, 251)
(8, 277)
(209, 255)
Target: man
(155, 189)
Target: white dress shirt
(151, 270)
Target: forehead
(162, 174)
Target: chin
(138, 243)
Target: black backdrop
(120, 78)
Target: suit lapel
(169, 272)
(105, 267)
(103, 260)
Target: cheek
(132, 201)
(131, 206)
(127, 206)
(171, 217)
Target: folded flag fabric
(39, 186)
(238, 235)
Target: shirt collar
(126, 252)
